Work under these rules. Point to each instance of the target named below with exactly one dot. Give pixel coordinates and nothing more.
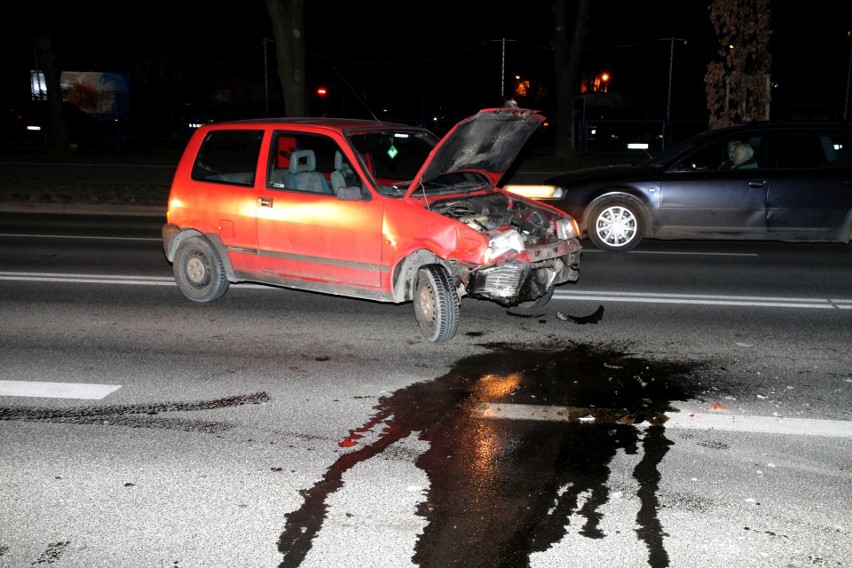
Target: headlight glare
(536, 191)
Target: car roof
(791, 125)
(327, 122)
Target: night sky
(446, 56)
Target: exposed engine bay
(495, 211)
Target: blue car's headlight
(536, 191)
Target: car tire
(199, 271)
(436, 304)
(616, 225)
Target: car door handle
(264, 201)
(757, 183)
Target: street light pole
(668, 125)
(503, 73)
(502, 68)
(266, 76)
(848, 78)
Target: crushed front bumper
(511, 283)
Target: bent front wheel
(436, 304)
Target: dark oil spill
(136, 415)
(502, 489)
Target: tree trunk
(288, 29)
(566, 70)
(58, 135)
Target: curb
(84, 209)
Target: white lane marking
(636, 297)
(101, 279)
(759, 424)
(39, 389)
(81, 237)
(676, 253)
(702, 299)
(680, 420)
(585, 250)
(88, 278)
(749, 254)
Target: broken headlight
(567, 228)
(507, 241)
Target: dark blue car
(796, 185)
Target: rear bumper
(169, 232)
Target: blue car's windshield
(674, 152)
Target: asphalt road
(684, 404)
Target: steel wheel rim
(196, 270)
(426, 304)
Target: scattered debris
(527, 316)
(581, 320)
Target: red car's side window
(228, 156)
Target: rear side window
(813, 151)
(228, 156)
(839, 151)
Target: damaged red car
(364, 209)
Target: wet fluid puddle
(502, 489)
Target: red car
(372, 210)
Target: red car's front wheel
(436, 304)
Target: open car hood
(486, 143)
